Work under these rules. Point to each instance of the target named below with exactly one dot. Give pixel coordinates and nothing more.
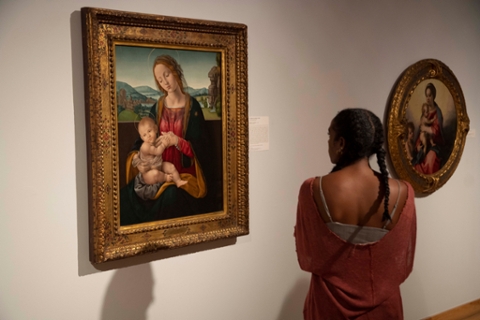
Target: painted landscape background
(135, 85)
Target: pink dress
(172, 120)
(353, 281)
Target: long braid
(363, 134)
(383, 170)
(381, 154)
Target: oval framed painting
(427, 125)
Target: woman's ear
(341, 143)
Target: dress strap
(394, 207)
(323, 201)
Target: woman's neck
(175, 99)
(362, 164)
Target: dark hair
(363, 134)
(432, 88)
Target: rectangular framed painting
(167, 131)
(427, 125)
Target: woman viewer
(356, 228)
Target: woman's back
(353, 281)
(355, 274)
(355, 196)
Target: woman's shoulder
(193, 102)
(194, 108)
(308, 184)
(307, 188)
(309, 180)
(333, 176)
(410, 192)
(402, 185)
(401, 195)
(336, 180)
(153, 110)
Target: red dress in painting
(430, 163)
(172, 120)
(166, 201)
(437, 125)
(353, 281)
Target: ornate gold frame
(101, 30)
(413, 82)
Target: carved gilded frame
(425, 144)
(102, 31)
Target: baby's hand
(168, 177)
(160, 141)
(170, 138)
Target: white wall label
(258, 130)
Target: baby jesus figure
(428, 117)
(149, 158)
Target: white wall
(307, 60)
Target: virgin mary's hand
(170, 138)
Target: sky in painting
(134, 65)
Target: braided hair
(363, 134)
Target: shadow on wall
(292, 307)
(129, 294)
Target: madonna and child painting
(431, 127)
(169, 132)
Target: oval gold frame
(410, 81)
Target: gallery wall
(308, 59)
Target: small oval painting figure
(431, 126)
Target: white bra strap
(323, 201)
